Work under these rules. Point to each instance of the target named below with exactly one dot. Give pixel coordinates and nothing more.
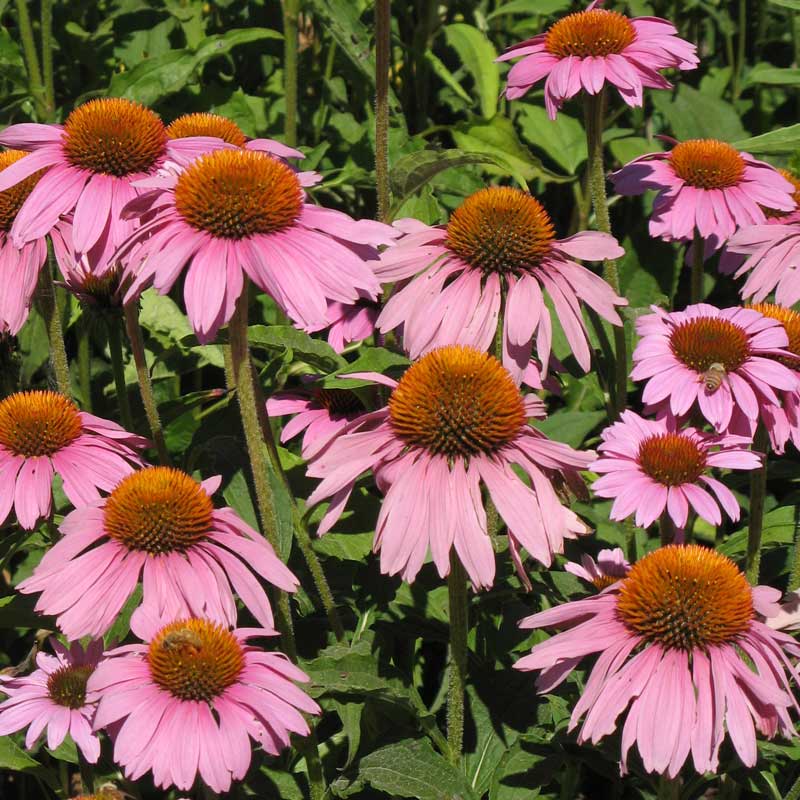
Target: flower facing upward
(683, 648)
(161, 524)
(720, 358)
(705, 185)
(456, 419)
(188, 702)
(19, 266)
(91, 163)
(586, 50)
(240, 212)
(649, 466)
(54, 697)
(43, 433)
(610, 567)
(453, 279)
(321, 414)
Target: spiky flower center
(195, 659)
(205, 124)
(67, 685)
(685, 597)
(457, 401)
(672, 459)
(604, 581)
(705, 341)
(38, 423)
(707, 163)
(233, 194)
(114, 136)
(11, 199)
(590, 33)
(777, 213)
(500, 230)
(339, 402)
(791, 324)
(158, 510)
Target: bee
(712, 377)
(180, 639)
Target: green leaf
(793, 4)
(530, 8)
(411, 768)
(154, 79)
(415, 170)
(477, 54)
(499, 139)
(780, 526)
(783, 140)
(694, 115)
(563, 139)
(285, 338)
(350, 714)
(13, 757)
(16, 611)
(773, 76)
(439, 69)
(570, 427)
(371, 359)
(345, 546)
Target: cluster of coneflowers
(686, 652)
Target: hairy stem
(48, 307)
(291, 11)
(85, 364)
(118, 369)
(594, 109)
(758, 491)
(31, 58)
(459, 627)
(383, 24)
(47, 58)
(145, 384)
(696, 286)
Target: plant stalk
(594, 111)
(666, 529)
(698, 255)
(48, 307)
(145, 384)
(31, 58)
(459, 627)
(383, 26)
(668, 788)
(758, 491)
(118, 370)
(85, 364)
(291, 12)
(47, 58)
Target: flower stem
(85, 364)
(87, 774)
(47, 57)
(696, 287)
(758, 491)
(264, 453)
(667, 529)
(145, 384)
(668, 788)
(48, 307)
(594, 110)
(383, 25)
(31, 59)
(118, 369)
(459, 627)
(291, 11)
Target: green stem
(758, 491)
(291, 11)
(145, 384)
(383, 25)
(630, 540)
(794, 577)
(459, 627)
(87, 774)
(258, 420)
(31, 58)
(85, 364)
(46, 299)
(698, 254)
(667, 529)
(594, 110)
(118, 370)
(668, 789)
(794, 792)
(308, 746)
(47, 57)
(740, 51)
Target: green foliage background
(450, 134)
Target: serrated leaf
(154, 79)
(779, 528)
(285, 337)
(345, 546)
(411, 768)
(783, 140)
(477, 54)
